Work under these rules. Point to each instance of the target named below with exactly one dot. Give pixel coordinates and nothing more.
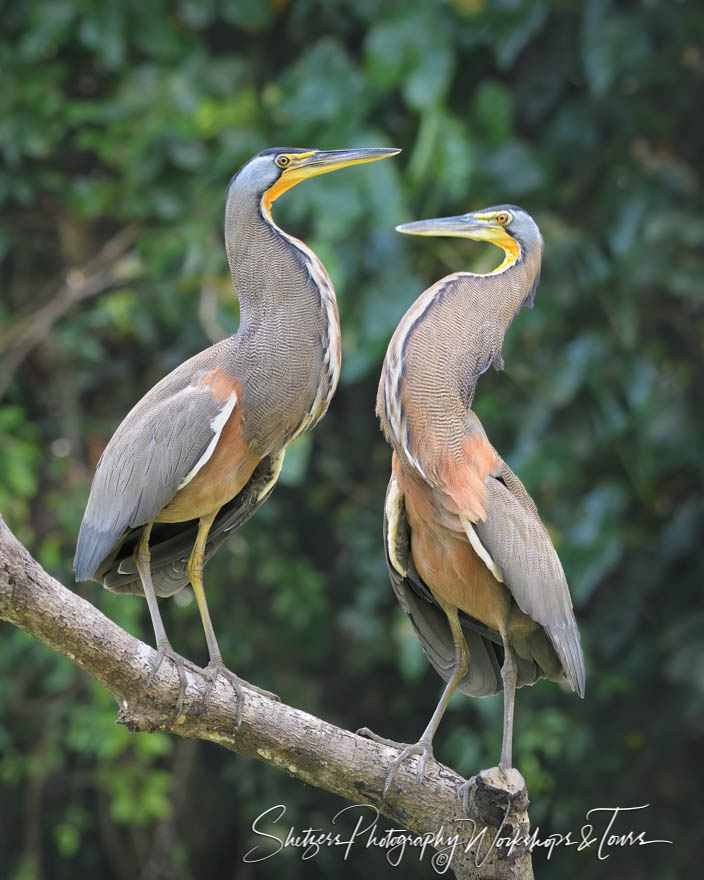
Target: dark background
(589, 115)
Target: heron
(468, 557)
(203, 449)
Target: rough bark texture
(298, 743)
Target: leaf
(102, 30)
(494, 110)
(412, 49)
(515, 169)
(251, 15)
(517, 23)
(610, 45)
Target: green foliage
(585, 114)
(19, 460)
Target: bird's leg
(424, 746)
(216, 665)
(142, 560)
(508, 674)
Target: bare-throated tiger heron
(203, 449)
(468, 557)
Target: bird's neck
(508, 289)
(288, 311)
(451, 335)
(262, 263)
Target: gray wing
(520, 547)
(429, 620)
(170, 544)
(157, 445)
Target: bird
(468, 557)
(203, 449)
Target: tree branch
(104, 271)
(300, 744)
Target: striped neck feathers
(451, 335)
(327, 305)
(280, 282)
(272, 270)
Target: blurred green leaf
(494, 110)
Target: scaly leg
(424, 746)
(508, 674)
(163, 646)
(216, 666)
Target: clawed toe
(212, 670)
(215, 668)
(258, 690)
(463, 792)
(369, 734)
(422, 748)
(162, 652)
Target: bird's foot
(165, 650)
(423, 748)
(464, 790)
(217, 667)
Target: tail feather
(568, 647)
(93, 546)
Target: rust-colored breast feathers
(229, 466)
(443, 556)
(220, 385)
(463, 476)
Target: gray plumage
(151, 452)
(519, 544)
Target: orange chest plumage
(445, 559)
(227, 469)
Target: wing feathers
(150, 455)
(480, 549)
(217, 424)
(171, 543)
(520, 546)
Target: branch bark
(102, 272)
(284, 737)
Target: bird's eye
(503, 218)
(282, 161)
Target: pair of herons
(468, 557)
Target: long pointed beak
(306, 165)
(464, 225)
(322, 161)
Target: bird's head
(270, 173)
(507, 226)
